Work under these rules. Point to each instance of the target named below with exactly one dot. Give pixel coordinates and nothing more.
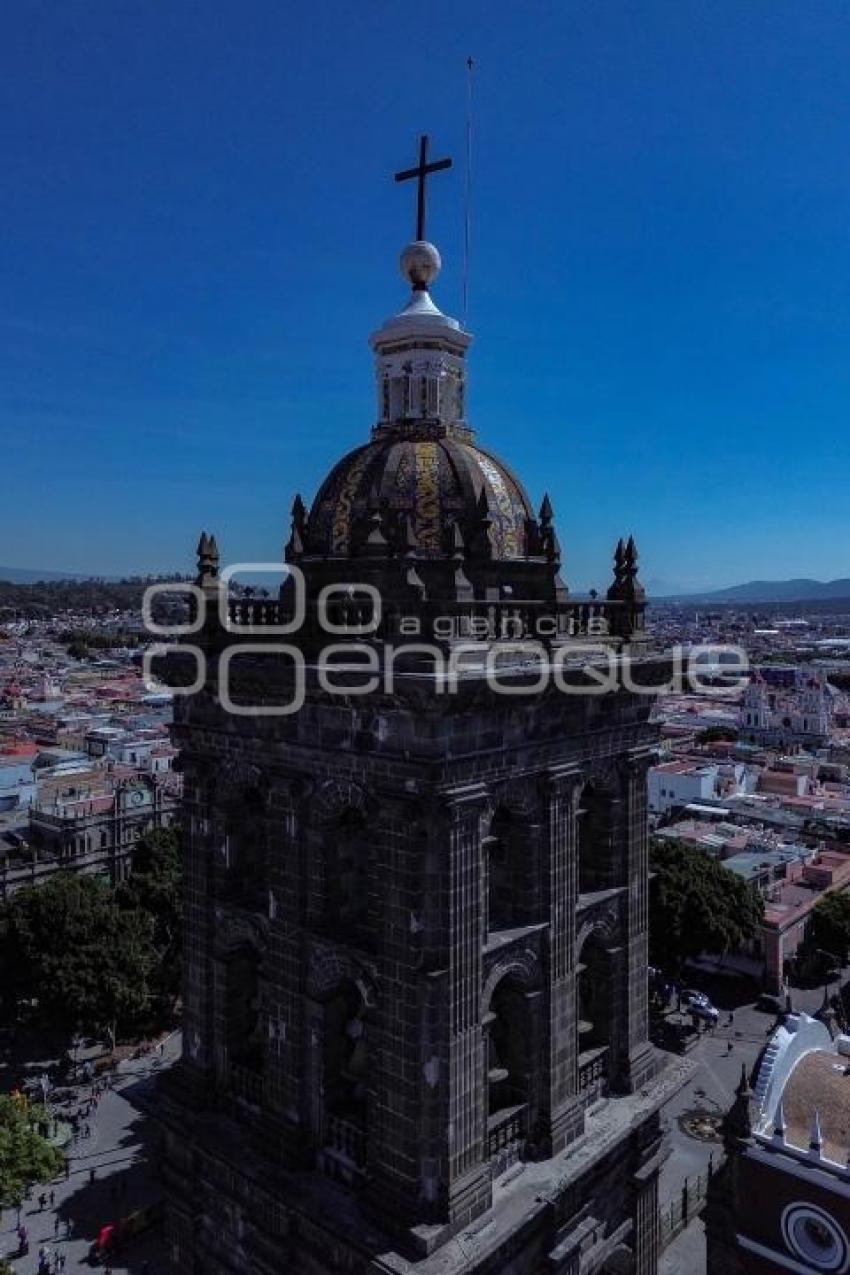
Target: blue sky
(199, 230)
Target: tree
(713, 734)
(696, 905)
(26, 1157)
(74, 956)
(829, 930)
(154, 888)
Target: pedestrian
(52, 1198)
(728, 1047)
(42, 1200)
(731, 1018)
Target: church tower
(415, 959)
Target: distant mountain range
(27, 575)
(767, 591)
(800, 590)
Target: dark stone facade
(415, 969)
(466, 919)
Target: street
(110, 1176)
(112, 1172)
(710, 1091)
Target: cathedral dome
(425, 485)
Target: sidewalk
(111, 1174)
(686, 1253)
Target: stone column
(284, 1078)
(179, 1237)
(641, 1060)
(198, 835)
(646, 1221)
(562, 1118)
(404, 1067)
(466, 1190)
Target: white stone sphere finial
(420, 264)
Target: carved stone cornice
(519, 959)
(234, 927)
(329, 965)
(599, 914)
(332, 798)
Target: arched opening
(244, 1037)
(499, 847)
(511, 871)
(597, 841)
(596, 1010)
(345, 1065)
(347, 879)
(508, 1052)
(246, 869)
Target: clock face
(816, 1238)
(137, 797)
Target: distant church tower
(415, 960)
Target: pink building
(787, 911)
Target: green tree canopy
(830, 925)
(696, 906)
(75, 955)
(25, 1156)
(154, 888)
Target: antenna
(467, 189)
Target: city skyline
(658, 249)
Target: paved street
(120, 1150)
(711, 1090)
(110, 1177)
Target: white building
(674, 784)
(801, 716)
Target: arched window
(243, 1032)
(499, 846)
(246, 866)
(346, 1074)
(347, 880)
(512, 876)
(596, 1008)
(509, 1064)
(598, 842)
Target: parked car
(692, 996)
(698, 1004)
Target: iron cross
(421, 171)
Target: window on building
(347, 882)
(346, 1067)
(510, 850)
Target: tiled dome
(433, 482)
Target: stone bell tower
(415, 967)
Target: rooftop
(819, 1082)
